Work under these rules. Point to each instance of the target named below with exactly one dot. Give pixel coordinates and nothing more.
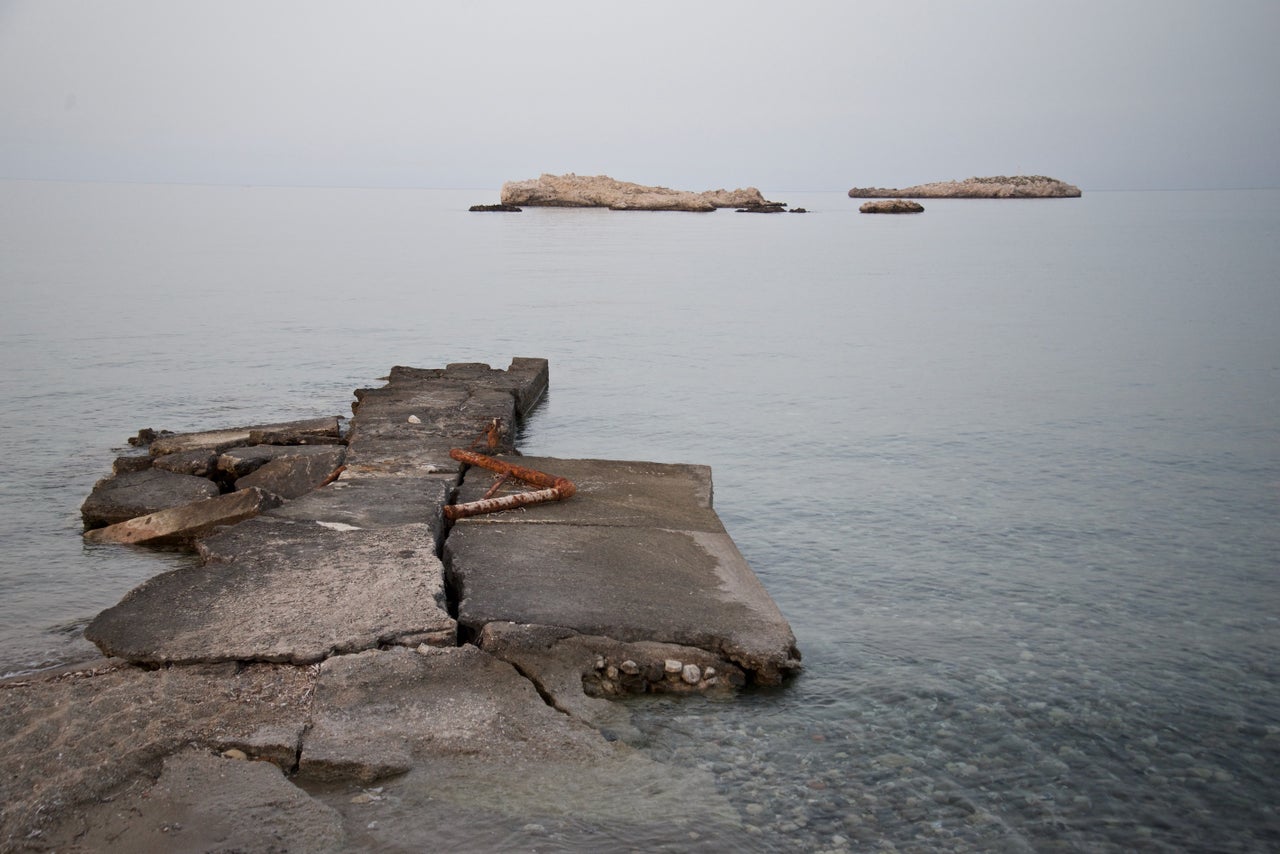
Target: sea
(1011, 470)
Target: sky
(823, 95)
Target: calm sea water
(1011, 469)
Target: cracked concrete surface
(318, 640)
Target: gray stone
(182, 526)
(243, 460)
(200, 462)
(126, 496)
(73, 738)
(208, 803)
(284, 591)
(378, 712)
(364, 501)
(612, 493)
(293, 476)
(220, 440)
(131, 462)
(631, 567)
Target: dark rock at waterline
(892, 206)
(498, 208)
(295, 475)
(126, 496)
(771, 207)
(240, 461)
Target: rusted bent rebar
(553, 488)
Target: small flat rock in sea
(892, 206)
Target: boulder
(997, 187)
(182, 526)
(601, 191)
(892, 206)
(126, 496)
(495, 208)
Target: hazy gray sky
(802, 95)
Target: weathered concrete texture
(207, 803)
(294, 432)
(281, 590)
(377, 713)
(201, 462)
(291, 475)
(72, 739)
(125, 496)
(243, 460)
(182, 526)
(364, 501)
(409, 425)
(625, 559)
(574, 672)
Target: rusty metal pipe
(553, 488)
(506, 502)
(530, 476)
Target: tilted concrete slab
(220, 440)
(637, 555)
(280, 590)
(292, 477)
(182, 526)
(126, 496)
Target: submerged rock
(997, 187)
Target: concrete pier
(351, 635)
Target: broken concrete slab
(203, 803)
(363, 501)
(581, 674)
(200, 462)
(77, 737)
(126, 496)
(608, 492)
(636, 555)
(280, 590)
(291, 476)
(379, 712)
(182, 526)
(220, 440)
(243, 460)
